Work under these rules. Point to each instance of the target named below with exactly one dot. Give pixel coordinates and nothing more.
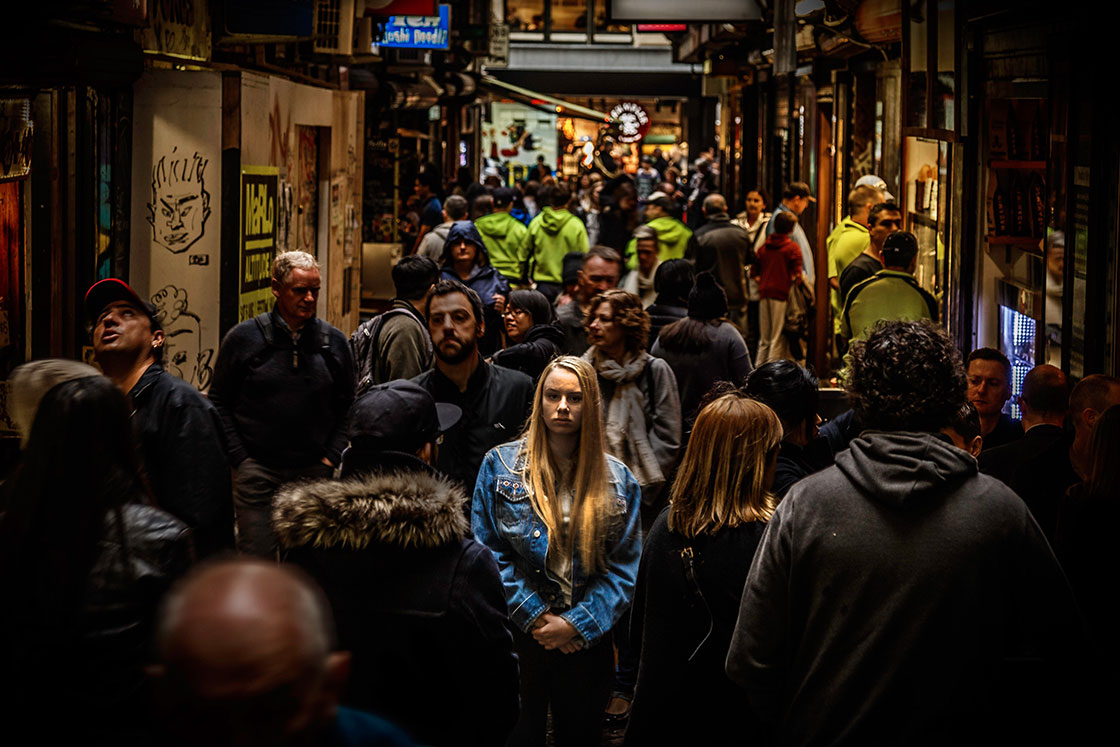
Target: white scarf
(625, 424)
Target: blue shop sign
(418, 32)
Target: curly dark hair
(906, 376)
(628, 314)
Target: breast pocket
(515, 510)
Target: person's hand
(554, 632)
(327, 462)
(499, 302)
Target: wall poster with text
(259, 190)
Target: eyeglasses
(514, 311)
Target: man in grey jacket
(899, 597)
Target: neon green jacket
(846, 242)
(552, 234)
(504, 237)
(672, 240)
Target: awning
(563, 107)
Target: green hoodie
(552, 234)
(672, 238)
(504, 237)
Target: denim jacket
(503, 519)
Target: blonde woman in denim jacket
(561, 517)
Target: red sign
(662, 27)
(386, 8)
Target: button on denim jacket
(503, 519)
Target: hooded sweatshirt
(552, 234)
(504, 237)
(672, 238)
(898, 597)
(484, 279)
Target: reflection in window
(525, 15)
(569, 15)
(603, 25)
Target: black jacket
(1037, 467)
(542, 344)
(662, 313)
(418, 602)
(681, 664)
(723, 248)
(183, 448)
(495, 406)
(282, 403)
(87, 684)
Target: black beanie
(707, 300)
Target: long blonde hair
(720, 481)
(591, 504)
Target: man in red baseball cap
(179, 431)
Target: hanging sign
(634, 121)
(418, 32)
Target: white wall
(176, 212)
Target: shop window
(568, 15)
(930, 52)
(525, 15)
(563, 21)
(603, 25)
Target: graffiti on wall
(182, 330)
(180, 204)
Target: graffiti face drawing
(180, 203)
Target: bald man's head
(714, 203)
(245, 649)
(1045, 397)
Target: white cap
(872, 180)
(654, 196)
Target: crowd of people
(551, 495)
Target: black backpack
(363, 344)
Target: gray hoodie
(889, 597)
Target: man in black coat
(418, 602)
(283, 384)
(1037, 466)
(495, 401)
(178, 431)
(724, 248)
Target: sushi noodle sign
(633, 121)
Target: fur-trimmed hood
(406, 509)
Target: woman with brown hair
(691, 577)
(641, 405)
(561, 517)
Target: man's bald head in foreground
(245, 657)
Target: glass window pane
(945, 90)
(569, 15)
(918, 84)
(603, 25)
(525, 15)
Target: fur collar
(406, 509)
